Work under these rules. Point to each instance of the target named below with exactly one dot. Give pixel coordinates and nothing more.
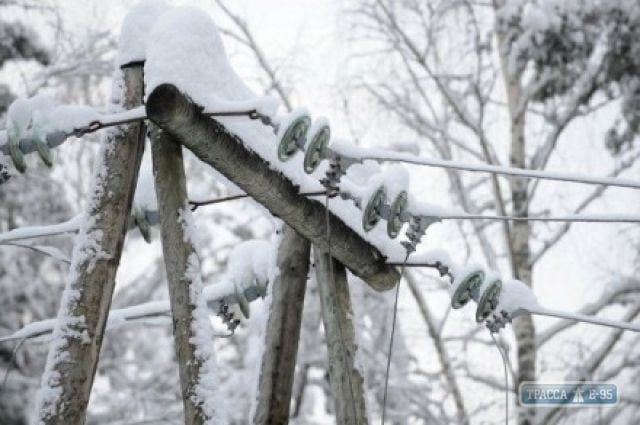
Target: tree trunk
(283, 330)
(520, 234)
(209, 141)
(191, 327)
(83, 314)
(347, 382)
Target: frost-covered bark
(347, 380)
(192, 330)
(283, 330)
(77, 338)
(521, 230)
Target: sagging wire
(503, 356)
(391, 338)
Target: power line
(605, 218)
(584, 318)
(387, 156)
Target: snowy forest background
(542, 84)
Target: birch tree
(463, 74)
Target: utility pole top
(176, 114)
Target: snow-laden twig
(49, 251)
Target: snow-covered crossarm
(211, 142)
(222, 293)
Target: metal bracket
(332, 178)
(418, 225)
(498, 321)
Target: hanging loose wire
(503, 356)
(393, 332)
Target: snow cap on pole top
(184, 48)
(135, 30)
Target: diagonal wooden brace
(213, 144)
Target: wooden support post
(183, 275)
(283, 330)
(209, 141)
(77, 337)
(347, 382)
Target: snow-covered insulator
(397, 213)
(489, 297)
(39, 141)
(140, 220)
(56, 138)
(294, 137)
(17, 157)
(243, 303)
(465, 287)
(314, 152)
(371, 214)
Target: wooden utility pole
(77, 337)
(183, 275)
(347, 381)
(214, 145)
(283, 330)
